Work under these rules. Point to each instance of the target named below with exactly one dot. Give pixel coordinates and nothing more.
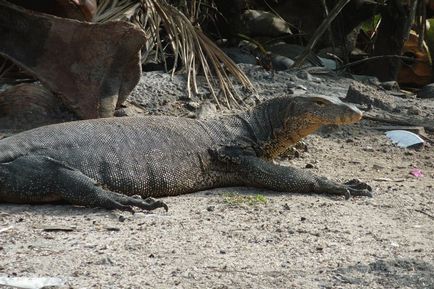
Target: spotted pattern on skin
(89, 162)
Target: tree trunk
(393, 31)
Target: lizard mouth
(352, 115)
(355, 117)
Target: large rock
(91, 67)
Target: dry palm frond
(190, 47)
(320, 31)
(12, 73)
(109, 10)
(5, 67)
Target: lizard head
(323, 110)
(305, 114)
(289, 119)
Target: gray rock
(427, 91)
(263, 23)
(239, 55)
(281, 62)
(369, 96)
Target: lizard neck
(278, 126)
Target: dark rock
(281, 62)
(369, 96)
(92, 67)
(426, 92)
(390, 85)
(30, 105)
(239, 55)
(263, 23)
(293, 51)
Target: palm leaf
(191, 48)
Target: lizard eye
(320, 103)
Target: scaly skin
(107, 162)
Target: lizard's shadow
(68, 210)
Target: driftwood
(413, 120)
(91, 67)
(393, 31)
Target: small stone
(368, 149)
(191, 115)
(302, 74)
(222, 252)
(413, 111)
(210, 208)
(309, 166)
(192, 105)
(104, 261)
(393, 244)
(113, 229)
(302, 219)
(390, 85)
(122, 219)
(377, 167)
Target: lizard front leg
(257, 172)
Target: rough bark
(393, 31)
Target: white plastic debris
(403, 138)
(6, 229)
(30, 282)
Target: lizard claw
(347, 194)
(156, 204)
(356, 187)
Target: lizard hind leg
(38, 179)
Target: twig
(422, 24)
(375, 58)
(330, 32)
(425, 213)
(319, 32)
(6, 229)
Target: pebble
(368, 149)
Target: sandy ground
(248, 238)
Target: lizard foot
(353, 187)
(356, 187)
(151, 203)
(128, 202)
